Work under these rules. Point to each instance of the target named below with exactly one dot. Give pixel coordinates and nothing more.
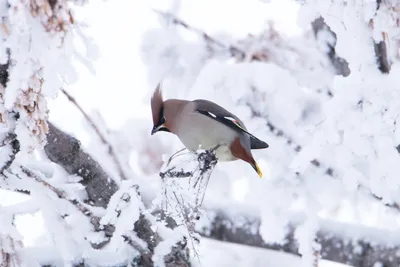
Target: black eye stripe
(161, 117)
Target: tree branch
(317, 163)
(10, 140)
(337, 245)
(343, 243)
(380, 48)
(341, 66)
(66, 151)
(103, 139)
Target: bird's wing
(218, 113)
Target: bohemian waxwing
(202, 124)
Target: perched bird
(202, 124)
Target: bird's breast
(197, 131)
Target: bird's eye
(161, 116)
(162, 120)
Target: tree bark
(66, 151)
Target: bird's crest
(157, 104)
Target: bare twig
(190, 225)
(103, 139)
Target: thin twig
(186, 221)
(233, 50)
(110, 148)
(175, 155)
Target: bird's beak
(156, 128)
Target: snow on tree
(325, 100)
(86, 224)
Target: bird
(203, 124)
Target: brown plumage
(204, 124)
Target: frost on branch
(340, 242)
(333, 155)
(10, 241)
(185, 177)
(124, 222)
(37, 49)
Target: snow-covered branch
(103, 139)
(66, 151)
(357, 246)
(320, 31)
(102, 191)
(340, 242)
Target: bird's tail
(257, 169)
(257, 143)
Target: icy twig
(182, 198)
(103, 139)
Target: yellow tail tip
(258, 170)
